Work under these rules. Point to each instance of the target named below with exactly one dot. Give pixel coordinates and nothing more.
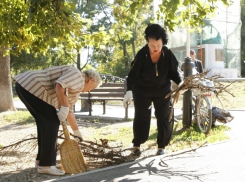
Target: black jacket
(153, 79)
(198, 66)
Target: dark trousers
(47, 125)
(142, 119)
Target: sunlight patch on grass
(121, 134)
(193, 138)
(18, 117)
(180, 140)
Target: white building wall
(210, 56)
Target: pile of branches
(194, 83)
(103, 152)
(98, 153)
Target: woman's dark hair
(157, 32)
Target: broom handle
(65, 130)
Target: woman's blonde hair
(93, 74)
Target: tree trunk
(133, 47)
(125, 57)
(6, 94)
(79, 61)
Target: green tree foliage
(29, 61)
(63, 55)
(181, 12)
(37, 25)
(92, 10)
(34, 26)
(126, 38)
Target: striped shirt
(41, 83)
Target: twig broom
(72, 159)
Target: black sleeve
(173, 70)
(136, 67)
(201, 68)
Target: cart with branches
(203, 88)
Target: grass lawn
(180, 139)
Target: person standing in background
(197, 63)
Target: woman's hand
(63, 113)
(127, 98)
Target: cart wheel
(204, 114)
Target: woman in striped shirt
(45, 91)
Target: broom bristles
(72, 159)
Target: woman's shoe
(36, 163)
(137, 152)
(52, 171)
(160, 151)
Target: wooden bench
(112, 88)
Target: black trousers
(142, 119)
(47, 125)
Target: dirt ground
(19, 166)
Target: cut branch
(196, 83)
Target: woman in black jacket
(149, 80)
